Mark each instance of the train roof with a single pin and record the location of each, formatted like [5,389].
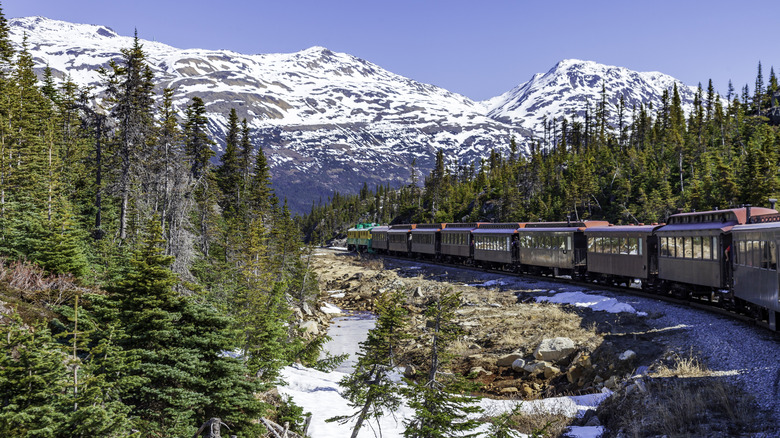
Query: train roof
[723,226]
[563,226]
[735,216]
[495,230]
[380,229]
[428,228]
[761,226]
[463,226]
[645,229]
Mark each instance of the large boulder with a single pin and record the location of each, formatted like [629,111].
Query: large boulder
[554,349]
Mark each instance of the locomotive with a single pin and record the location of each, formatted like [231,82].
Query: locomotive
[727,257]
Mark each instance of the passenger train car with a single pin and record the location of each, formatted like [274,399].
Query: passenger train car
[728,257]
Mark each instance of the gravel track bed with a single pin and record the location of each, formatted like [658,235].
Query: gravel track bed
[744,354]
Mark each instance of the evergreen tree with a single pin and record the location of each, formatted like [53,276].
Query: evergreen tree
[440,407]
[370,388]
[229,172]
[33,380]
[196,138]
[180,347]
[130,91]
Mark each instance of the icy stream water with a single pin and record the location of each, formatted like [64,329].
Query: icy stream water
[348,332]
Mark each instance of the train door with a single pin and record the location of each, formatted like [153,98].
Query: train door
[726,256]
[652,254]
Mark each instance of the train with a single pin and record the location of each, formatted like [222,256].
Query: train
[725,257]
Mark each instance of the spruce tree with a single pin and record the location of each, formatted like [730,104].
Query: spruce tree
[441,408]
[370,387]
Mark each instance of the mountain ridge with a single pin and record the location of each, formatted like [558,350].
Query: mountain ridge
[327,121]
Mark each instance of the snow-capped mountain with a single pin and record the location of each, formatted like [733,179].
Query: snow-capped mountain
[330,121]
[326,121]
[569,87]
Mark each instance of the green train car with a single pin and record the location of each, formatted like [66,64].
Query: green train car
[359,237]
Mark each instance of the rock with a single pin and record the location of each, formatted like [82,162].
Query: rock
[518,365]
[640,385]
[509,390]
[554,349]
[627,355]
[479,371]
[310,327]
[574,373]
[410,371]
[528,392]
[598,379]
[508,360]
[474,347]
[611,383]
[536,367]
[418,292]
[306,309]
[550,371]
[593,422]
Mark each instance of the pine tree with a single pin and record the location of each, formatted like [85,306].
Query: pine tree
[180,345]
[130,91]
[441,409]
[370,388]
[196,138]
[33,380]
[229,172]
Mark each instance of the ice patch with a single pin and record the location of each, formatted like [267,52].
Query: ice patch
[489,283]
[593,302]
[330,308]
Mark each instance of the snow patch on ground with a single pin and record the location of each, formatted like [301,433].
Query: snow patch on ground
[594,302]
[330,309]
[489,283]
[319,393]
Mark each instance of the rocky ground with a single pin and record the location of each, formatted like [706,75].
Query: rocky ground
[520,349]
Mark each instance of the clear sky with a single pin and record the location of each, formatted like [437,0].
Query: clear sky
[479,48]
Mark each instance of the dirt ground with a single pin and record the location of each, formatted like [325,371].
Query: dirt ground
[500,323]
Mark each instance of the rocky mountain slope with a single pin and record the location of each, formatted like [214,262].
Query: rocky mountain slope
[330,121]
[571,85]
[327,121]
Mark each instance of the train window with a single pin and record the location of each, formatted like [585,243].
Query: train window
[664,247]
[764,255]
[632,246]
[591,244]
[697,247]
[639,241]
[772,255]
[688,249]
[741,245]
[749,253]
[706,248]
[625,247]
[714,248]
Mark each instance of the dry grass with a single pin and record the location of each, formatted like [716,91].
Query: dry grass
[688,366]
[681,400]
[527,324]
[536,421]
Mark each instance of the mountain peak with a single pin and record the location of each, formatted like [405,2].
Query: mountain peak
[565,89]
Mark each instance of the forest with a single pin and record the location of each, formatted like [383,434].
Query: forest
[144,287]
[645,165]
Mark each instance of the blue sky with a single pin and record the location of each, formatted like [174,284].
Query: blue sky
[477,48]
